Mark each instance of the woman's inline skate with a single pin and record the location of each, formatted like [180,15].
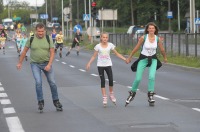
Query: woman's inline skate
[150,98]
[130,97]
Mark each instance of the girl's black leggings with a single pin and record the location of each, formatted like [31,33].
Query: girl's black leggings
[109,73]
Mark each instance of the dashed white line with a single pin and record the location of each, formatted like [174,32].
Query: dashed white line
[129,87]
[1,89]
[161,97]
[3,95]
[72,66]
[10,110]
[11,47]
[197,109]
[64,63]
[0,84]
[82,70]
[5,101]
[14,124]
[94,75]
[57,60]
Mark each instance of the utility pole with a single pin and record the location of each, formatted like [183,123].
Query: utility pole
[70,5]
[192,16]
[46,12]
[85,13]
[169,20]
[178,15]
[62,20]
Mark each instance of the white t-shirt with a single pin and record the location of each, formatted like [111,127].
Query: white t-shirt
[149,49]
[104,59]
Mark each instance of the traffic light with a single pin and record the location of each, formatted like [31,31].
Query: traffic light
[94,9]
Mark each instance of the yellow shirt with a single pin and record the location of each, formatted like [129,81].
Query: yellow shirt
[59,38]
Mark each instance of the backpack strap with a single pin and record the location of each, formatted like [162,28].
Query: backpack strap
[32,37]
[48,39]
[145,36]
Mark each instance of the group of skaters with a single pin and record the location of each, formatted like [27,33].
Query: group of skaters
[42,59]
[20,37]
[3,37]
[58,41]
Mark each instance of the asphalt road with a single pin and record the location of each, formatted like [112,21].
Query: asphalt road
[177,107]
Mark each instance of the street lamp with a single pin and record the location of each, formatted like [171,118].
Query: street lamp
[46,12]
[62,19]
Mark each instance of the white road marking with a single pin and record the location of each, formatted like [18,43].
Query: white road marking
[1,89]
[14,124]
[0,84]
[72,66]
[10,110]
[161,97]
[3,95]
[64,63]
[129,87]
[57,60]
[94,75]
[82,70]
[197,109]
[11,47]
[5,101]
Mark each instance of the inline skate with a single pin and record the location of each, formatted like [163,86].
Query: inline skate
[41,106]
[150,98]
[58,105]
[112,98]
[105,101]
[130,97]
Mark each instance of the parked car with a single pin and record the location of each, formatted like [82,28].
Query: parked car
[138,34]
[56,25]
[34,24]
[134,28]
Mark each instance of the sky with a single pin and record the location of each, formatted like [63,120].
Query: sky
[31,2]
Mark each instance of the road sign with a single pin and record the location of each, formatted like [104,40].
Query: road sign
[197,21]
[43,16]
[86,17]
[66,10]
[55,18]
[77,27]
[169,14]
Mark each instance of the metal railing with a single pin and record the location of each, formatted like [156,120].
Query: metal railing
[174,43]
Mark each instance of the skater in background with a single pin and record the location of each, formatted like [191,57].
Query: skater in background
[2,42]
[31,33]
[17,38]
[41,59]
[59,43]
[53,35]
[22,44]
[104,64]
[149,43]
[75,42]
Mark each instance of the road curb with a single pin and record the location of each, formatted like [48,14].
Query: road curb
[185,67]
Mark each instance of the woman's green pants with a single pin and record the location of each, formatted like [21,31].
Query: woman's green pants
[140,69]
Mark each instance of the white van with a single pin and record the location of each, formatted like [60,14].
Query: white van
[8,24]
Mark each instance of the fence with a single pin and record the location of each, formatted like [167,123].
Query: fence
[174,43]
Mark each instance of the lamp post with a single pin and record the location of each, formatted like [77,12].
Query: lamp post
[169,21]
[62,19]
[46,12]
[70,5]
